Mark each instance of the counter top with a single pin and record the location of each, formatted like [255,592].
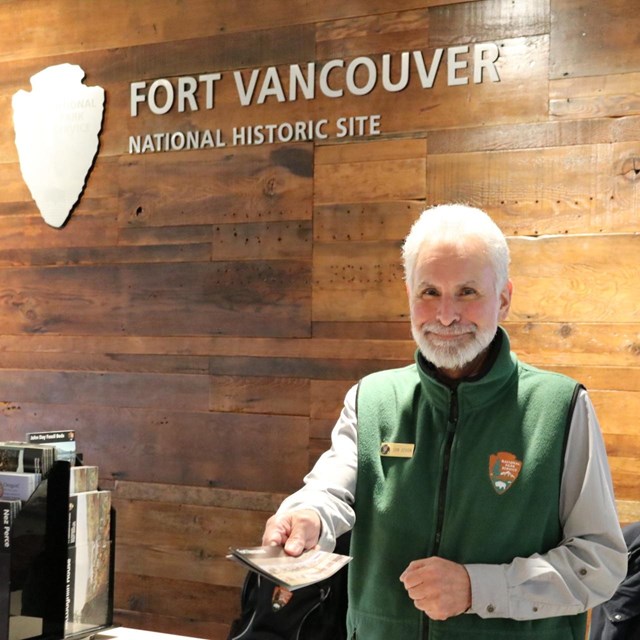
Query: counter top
[122,633]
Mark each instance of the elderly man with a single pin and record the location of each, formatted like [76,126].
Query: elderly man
[477,486]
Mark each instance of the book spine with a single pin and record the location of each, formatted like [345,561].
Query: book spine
[5,569]
[73,520]
[69,587]
[6,528]
[71,559]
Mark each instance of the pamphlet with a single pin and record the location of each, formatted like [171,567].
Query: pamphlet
[292,572]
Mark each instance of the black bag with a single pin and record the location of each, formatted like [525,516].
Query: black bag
[316,612]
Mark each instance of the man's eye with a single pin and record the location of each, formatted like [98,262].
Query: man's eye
[429,292]
[468,291]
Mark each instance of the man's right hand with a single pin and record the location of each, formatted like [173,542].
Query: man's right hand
[295,530]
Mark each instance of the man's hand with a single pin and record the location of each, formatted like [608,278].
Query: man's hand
[438,587]
[295,530]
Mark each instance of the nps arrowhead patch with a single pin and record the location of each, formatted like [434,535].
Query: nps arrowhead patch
[504,469]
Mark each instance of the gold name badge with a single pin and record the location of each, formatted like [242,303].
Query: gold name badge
[397,449]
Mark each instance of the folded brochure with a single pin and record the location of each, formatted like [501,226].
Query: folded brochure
[292,572]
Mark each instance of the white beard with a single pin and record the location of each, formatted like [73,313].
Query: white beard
[451,354]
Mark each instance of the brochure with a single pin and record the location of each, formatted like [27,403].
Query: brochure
[292,572]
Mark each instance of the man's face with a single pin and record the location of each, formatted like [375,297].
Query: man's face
[455,309]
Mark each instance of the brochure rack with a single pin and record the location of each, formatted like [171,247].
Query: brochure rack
[34,580]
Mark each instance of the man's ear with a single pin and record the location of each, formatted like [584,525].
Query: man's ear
[505,301]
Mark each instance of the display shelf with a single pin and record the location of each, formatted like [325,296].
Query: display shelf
[35,587]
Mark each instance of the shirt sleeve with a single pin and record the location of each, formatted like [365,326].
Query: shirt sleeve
[591,560]
[329,488]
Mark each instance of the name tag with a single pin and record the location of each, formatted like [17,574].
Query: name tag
[397,449]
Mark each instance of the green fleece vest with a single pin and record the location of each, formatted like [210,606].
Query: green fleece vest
[482,486]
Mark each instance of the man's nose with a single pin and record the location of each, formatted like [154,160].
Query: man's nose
[448,312]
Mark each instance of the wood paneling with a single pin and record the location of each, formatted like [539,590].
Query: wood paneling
[202,314]
[554,190]
[593,39]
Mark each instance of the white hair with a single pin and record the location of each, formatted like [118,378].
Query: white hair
[456,223]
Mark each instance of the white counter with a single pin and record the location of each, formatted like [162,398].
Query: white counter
[122,633]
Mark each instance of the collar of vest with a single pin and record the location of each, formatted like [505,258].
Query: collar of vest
[502,365]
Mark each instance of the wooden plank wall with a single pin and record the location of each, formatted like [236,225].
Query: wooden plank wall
[202,313]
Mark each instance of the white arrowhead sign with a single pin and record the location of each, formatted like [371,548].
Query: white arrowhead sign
[57,126]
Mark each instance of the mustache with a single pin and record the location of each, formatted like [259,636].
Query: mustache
[451,330]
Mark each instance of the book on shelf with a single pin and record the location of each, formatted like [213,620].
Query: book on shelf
[25,457]
[88,560]
[291,572]
[9,509]
[63,441]
[83,478]
[16,485]
[89,517]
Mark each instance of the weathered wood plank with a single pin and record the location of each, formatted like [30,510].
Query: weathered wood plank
[327,398]
[313,368]
[365,221]
[603,377]
[381,331]
[581,47]
[104,255]
[576,344]
[255,394]
[204,496]
[320,433]
[182,235]
[535,135]
[362,172]
[251,184]
[340,345]
[170,561]
[105,362]
[544,191]
[182,447]
[71,27]
[290,240]
[626,477]
[576,278]
[615,344]
[158,299]
[488,20]
[27,240]
[621,445]
[195,530]
[365,35]
[616,411]
[611,96]
[148,595]
[351,278]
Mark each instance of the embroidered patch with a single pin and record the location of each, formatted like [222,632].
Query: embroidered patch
[504,468]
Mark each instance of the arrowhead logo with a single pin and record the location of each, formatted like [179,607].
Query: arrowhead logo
[57,126]
[504,469]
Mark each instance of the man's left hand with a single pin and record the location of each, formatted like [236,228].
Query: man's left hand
[438,587]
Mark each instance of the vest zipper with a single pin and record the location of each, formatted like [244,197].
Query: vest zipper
[452,423]
[442,496]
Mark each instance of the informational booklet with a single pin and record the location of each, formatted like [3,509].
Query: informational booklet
[292,572]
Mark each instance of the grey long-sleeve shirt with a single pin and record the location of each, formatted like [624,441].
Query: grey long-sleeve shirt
[540,586]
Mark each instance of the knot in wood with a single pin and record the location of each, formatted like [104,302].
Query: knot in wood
[631,169]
